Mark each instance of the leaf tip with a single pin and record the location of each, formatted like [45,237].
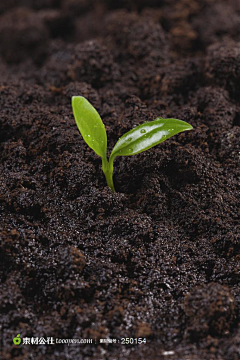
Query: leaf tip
[77,99]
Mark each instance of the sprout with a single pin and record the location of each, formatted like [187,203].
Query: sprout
[141,138]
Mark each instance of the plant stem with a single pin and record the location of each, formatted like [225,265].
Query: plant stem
[107,168]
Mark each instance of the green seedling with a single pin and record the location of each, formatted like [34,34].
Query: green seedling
[141,138]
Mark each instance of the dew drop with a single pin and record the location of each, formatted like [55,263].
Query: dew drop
[130,149]
[143,131]
[129,139]
[89,135]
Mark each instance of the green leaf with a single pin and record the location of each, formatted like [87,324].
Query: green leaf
[147,135]
[90,125]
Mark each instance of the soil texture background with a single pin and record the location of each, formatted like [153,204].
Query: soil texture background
[159,258]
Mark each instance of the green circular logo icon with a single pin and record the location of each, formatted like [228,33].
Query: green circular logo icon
[17,340]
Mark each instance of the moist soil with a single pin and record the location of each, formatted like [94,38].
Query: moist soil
[159,258]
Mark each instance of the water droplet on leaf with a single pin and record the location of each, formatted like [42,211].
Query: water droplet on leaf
[143,131]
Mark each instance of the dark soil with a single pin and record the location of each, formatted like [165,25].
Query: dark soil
[159,259]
